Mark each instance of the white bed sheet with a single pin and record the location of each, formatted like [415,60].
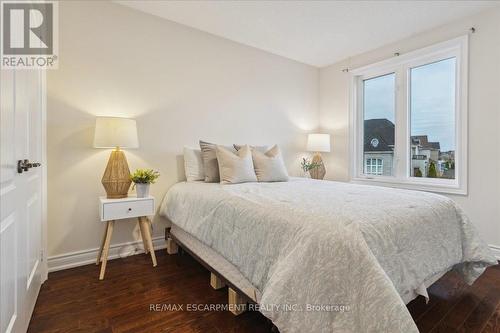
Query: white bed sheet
[312,242]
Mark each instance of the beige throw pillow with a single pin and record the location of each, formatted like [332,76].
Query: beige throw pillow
[259,148]
[235,167]
[210,165]
[269,166]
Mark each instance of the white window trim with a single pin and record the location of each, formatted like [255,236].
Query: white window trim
[457,47]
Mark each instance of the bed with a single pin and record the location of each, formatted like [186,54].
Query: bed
[325,256]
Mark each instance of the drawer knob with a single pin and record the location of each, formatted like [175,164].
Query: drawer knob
[130,209]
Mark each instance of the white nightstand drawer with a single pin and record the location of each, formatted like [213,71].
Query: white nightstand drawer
[127,209]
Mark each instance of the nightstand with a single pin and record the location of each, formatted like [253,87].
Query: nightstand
[117,209]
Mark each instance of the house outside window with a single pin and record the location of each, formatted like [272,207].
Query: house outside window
[409,120]
[374,166]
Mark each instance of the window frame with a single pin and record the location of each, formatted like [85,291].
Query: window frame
[401,66]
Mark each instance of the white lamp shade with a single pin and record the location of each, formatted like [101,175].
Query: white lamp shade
[318,142]
[112,132]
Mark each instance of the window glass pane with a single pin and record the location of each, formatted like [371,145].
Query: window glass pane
[379,131]
[432,116]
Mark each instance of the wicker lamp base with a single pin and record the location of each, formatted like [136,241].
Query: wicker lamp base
[116,178]
[319,172]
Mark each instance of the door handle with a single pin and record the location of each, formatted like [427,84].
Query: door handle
[25,165]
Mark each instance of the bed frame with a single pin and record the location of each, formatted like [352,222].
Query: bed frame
[237,298]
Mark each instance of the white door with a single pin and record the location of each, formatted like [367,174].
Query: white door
[21,196]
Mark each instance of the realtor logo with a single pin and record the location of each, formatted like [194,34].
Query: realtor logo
[29,34]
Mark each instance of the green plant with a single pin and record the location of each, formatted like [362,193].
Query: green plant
[418,172]
[307,165]
[432,173]
[144,176]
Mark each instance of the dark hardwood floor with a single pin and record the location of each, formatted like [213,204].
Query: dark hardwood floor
[74,300]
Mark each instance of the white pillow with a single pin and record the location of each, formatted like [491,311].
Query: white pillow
[269,166]
[235,167]
[193,164]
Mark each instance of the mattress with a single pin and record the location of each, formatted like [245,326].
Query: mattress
[304,242]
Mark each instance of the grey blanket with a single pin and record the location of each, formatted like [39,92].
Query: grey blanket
[330,256]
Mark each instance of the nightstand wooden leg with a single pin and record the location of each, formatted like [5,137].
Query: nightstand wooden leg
[99,257]
[107,241]
[143,236]
[149,241]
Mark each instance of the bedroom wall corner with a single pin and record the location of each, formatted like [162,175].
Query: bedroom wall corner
[482,204]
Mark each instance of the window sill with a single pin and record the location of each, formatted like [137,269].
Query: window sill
[427,186]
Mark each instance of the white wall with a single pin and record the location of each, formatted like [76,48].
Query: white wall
[180,84]
[483,201]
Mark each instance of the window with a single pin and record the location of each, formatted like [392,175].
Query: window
[378,120]
[409,120]
[374,166]
[432,119]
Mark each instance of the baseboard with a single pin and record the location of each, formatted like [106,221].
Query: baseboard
[496,251]
[85,257]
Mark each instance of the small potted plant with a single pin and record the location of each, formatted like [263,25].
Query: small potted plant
[307,166]
[142,178]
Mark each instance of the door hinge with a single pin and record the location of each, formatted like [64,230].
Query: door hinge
[41,255]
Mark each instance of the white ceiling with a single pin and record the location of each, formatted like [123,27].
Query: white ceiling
[318,33]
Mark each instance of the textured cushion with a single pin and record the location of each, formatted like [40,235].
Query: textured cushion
[259,148]
[193,164]
[210,165]
[235,167]
[269,166]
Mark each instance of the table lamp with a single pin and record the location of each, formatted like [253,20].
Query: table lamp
[318,143]
[117,133]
